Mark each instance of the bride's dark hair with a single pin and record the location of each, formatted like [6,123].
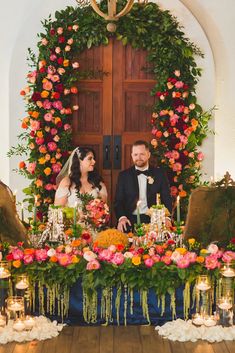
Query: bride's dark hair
[75,173]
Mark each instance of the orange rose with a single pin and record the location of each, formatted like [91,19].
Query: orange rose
[76,243]
[168,253]
[182,193]
[38,183]
[44,94]
[158,134]
[57,120]
[200,259]
[47,171]
[74,89]
[136,260]
[22,165]
[66,63]
[53,259]
[146,256]
[16,263]
[42,160]
[29,251]
[75,259]
[34,114]
[40,133]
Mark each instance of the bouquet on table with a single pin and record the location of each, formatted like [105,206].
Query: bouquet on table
[95,211]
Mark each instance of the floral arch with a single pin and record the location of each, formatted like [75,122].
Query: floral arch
[178,122]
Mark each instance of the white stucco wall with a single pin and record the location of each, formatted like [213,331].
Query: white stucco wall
[210,24]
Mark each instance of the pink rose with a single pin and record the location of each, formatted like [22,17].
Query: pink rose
[89,255]
[54,131]
[67,127]
[47,104]
[176,256]
[35,125]
[48,117]
[191,256]
[179,84]
[61,70]
[93,265]
[128,255]
[156,258]
[41,255]
[39,140]
[49,187]
[118,259]
[149,262]
[200,156]
[52,146]
[53,57]
[177,167]
[56,167]
[28,259]
[57,105]
[31,167]
[44,41]
[213,248]
[75,65]
[55,78]
[47,85]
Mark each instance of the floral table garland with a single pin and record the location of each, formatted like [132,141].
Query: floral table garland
[163,267]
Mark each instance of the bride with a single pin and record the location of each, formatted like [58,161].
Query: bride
[79,176]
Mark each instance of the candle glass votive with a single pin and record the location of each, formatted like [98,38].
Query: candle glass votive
[228,270]
[203,286]
[203,283]
[15,307]
[225,311]
[4,270]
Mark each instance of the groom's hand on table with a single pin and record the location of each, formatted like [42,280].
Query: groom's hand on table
[123,224]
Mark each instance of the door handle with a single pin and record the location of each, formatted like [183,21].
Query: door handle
[117,152]
[107,152]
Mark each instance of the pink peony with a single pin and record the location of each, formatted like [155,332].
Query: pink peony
[212,262]
[17,254]
[93,265]
[52,146]
[41,255]
[149,262]
[228,256]
[183,262]
[51,69]
[64,259]
[118,259]
[191,256]
[106,255]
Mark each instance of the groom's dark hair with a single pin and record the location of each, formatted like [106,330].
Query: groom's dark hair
[141,143]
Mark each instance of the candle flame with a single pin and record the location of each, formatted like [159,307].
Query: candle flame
[178,199]
[138,203]
[15,192]
[35,199]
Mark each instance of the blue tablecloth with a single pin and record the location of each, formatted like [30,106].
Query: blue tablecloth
[137,318]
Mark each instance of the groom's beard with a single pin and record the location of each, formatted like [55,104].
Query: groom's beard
[141,164]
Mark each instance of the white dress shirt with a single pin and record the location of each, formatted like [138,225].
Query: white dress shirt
[142,181]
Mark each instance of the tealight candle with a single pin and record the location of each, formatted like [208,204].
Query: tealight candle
[22,284]
[15,306]
[198,320]
[210,321]
[18,325]
[203,286]
[4,273]
[225,305]
[29,322]
[227,271]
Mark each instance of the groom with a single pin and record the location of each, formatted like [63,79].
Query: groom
[139,183]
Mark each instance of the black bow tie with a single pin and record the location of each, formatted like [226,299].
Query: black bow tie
[145,172]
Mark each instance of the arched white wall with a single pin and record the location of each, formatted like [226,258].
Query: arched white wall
[20,23]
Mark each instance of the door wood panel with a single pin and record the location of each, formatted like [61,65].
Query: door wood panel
[113,100]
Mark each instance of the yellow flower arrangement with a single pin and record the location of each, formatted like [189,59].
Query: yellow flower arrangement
[182,251]
[109,237]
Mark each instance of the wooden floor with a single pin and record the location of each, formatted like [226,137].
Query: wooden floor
[113,339]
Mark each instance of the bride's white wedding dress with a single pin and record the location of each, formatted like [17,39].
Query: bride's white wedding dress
[71,194]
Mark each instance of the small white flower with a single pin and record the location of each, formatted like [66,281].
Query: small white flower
[51,252]
[150,180]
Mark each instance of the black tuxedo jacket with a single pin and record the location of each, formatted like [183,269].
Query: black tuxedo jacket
[127,191]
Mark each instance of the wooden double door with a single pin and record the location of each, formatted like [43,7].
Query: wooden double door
[114,106]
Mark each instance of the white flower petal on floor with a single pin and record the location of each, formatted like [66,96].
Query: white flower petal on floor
[180,330]
[42,330]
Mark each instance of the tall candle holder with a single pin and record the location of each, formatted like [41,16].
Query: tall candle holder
[227,272]
[5,275]
[22,290]
[225,311]
[203,287]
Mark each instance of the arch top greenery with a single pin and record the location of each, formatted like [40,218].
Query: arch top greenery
[178,123]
